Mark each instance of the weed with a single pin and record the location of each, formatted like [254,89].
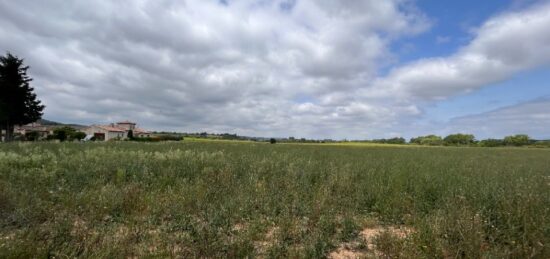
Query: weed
[246,199]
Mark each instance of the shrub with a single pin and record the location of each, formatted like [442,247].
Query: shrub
[429,140]
[517,140]
[459,139]
[77,135]
[390,141]
[491,143]
[541,143]
[169,137]
[32,136]
[63,133]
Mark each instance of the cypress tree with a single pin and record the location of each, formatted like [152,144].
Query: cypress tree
[18,102]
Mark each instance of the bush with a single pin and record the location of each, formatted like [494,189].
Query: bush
[429,140]
[390,141]
[146,139]
[66,133]
[63,133]
[77,135]
[32,136]
[459,139]
[169,137]
[491,143]
[541,143]
[517,140]
[272,141]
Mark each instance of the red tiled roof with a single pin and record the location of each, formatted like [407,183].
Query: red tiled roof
[141,131]
[109,128]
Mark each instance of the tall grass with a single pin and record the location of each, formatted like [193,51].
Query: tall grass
[218,199]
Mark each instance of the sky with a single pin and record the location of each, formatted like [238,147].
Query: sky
[359,69]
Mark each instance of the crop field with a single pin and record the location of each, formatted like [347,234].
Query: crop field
[221,199]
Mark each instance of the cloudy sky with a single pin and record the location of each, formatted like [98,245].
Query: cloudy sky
[304,68]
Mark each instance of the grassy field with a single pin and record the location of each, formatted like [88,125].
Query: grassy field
[223,199]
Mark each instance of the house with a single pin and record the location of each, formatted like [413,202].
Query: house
[137,132]
[141,133]
[106,132]
[42,130]
[115,131]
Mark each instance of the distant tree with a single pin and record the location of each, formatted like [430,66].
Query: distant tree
[272,141]
[130,134]
[541,143]
[229,136]
[429,140]
[390,141]
[18,102]
[399,140]
[77,135]
[491,143]
[63,133]
[32,136]
[168,137]
[459,139]
[517,140]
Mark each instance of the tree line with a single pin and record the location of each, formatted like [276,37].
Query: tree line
[460,139]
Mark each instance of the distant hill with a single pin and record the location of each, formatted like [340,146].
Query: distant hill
[48,122]
[55,123]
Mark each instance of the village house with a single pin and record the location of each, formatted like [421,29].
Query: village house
[42,130]
[115,131]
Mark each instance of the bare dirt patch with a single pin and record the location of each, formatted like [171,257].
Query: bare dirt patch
[356,249]
[269,238]
[347,251]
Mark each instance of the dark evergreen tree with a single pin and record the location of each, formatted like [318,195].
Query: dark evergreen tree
[18,102]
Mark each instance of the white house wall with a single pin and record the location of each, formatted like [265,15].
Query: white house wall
[108,134]
[115,135]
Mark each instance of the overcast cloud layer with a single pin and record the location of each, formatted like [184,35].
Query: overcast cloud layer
[299,68]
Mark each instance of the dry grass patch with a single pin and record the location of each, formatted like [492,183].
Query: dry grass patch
[375,241]
[267,241]
[347,251]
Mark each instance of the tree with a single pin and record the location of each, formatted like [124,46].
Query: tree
[32,136]
[517,140]
[459,139]
[130,134]
[18,102]
[491,143]
[78,135]
[397,140]
[430,140]
[272,141]
[63,133]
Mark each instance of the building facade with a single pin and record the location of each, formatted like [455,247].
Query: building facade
[115,131]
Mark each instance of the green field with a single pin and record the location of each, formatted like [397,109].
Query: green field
[224,199]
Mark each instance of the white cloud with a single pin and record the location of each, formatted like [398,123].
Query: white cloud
[198,65]
[502,46]
[532,117]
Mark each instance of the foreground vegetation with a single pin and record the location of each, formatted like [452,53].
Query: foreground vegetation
[236,199]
